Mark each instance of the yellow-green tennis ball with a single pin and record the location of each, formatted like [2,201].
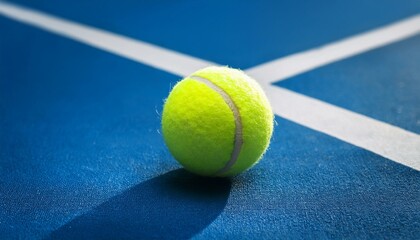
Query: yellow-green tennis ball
[217,122]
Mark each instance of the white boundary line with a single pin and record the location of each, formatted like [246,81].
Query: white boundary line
[295,64]
[384,139]
[381,138]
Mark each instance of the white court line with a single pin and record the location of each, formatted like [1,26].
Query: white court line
[152,55]
[295,64]
[381,138]
[384,139]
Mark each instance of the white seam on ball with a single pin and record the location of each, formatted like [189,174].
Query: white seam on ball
[238,140]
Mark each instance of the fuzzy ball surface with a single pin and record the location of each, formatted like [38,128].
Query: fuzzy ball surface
[217,122]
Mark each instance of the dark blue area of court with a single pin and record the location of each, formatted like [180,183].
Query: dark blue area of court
[81,156]
[237,33]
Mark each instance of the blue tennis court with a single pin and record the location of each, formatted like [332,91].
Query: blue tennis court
[82,87]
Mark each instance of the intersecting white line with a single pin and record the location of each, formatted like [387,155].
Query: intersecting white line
[289,66]
[384,139]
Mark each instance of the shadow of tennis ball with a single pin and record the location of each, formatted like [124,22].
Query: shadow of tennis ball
[174,205]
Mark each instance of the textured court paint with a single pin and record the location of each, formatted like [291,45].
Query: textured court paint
[174,205]
[309,184]
[238,123]
[286,67]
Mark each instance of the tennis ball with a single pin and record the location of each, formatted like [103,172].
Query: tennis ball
[217,122]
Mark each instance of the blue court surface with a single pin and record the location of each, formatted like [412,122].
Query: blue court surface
[82,85]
